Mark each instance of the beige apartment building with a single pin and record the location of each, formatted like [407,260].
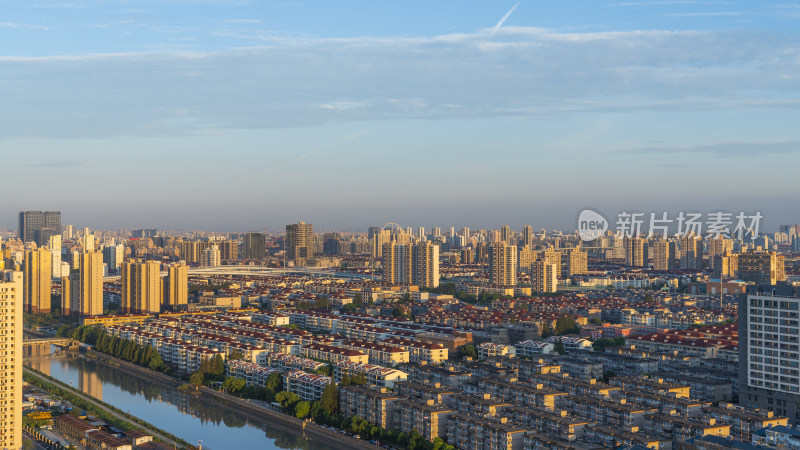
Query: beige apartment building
[176,289]
[142,291]
[87,285]
[38,274]
[11,287]
[503,264]
[544,277]
[299,241]
[761,267]
[663,254]
[577,263]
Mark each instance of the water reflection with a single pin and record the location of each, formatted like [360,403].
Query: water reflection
[218,424]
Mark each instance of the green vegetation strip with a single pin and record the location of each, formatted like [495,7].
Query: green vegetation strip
[75,397]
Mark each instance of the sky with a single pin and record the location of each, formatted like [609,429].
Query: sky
[243,115]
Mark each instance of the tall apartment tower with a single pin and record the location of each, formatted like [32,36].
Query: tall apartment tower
[38,226]
[66,294]
[397,263]
[87,287]
[636,252]
[768,374]
[527,236]
[691,251]
[177,285]
[299,241]
[11,287]
[577,263]
[544,277]
[663,254]
[425,264]
[253,245]
[54,245]
[505,234]
[38,276]
[718,247]
[553,256]
[761,267]
[210,257]
[113,255]
[141,287]
[503,264]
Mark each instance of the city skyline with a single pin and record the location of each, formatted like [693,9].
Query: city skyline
[636,105]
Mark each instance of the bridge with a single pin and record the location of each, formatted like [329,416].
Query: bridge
[265,272]
[58,342]
[276,271]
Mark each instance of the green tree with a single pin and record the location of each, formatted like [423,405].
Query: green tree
[233,385]
[468,350]
[558,347]
[329,401]
[274,382]
[287,399]
[196,379]
[302,409]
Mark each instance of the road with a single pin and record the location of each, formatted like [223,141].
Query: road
[113,413]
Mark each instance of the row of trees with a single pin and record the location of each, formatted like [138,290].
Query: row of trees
[131,351]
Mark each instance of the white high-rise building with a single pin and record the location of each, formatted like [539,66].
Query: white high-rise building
[769,377]
[55,249]
[210,257]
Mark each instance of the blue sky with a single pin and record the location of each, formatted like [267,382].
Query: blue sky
[239,115]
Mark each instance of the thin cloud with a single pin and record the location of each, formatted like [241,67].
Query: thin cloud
[725,150]
[54,164]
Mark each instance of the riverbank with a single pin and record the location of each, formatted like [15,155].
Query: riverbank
[129,421]
[251,409]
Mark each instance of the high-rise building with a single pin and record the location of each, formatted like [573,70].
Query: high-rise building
[761,267]
[397,263]
[11,287]
[210,257]
[331,244]
[113,255]
[87,287]
[425,264]
[416,264]
[299,241]
[544,277]
[421,233]
[505,234]
[691,251]
[55,254]
[66,294]
[228,250]
[38,226]
[177,285]
[527,236]
[525,257]
[768,353]
[68,232]
[253,245]
[726,266]
[577,263]
[718,247]
[88,240]
[663,254]
[503,264]
[141,287]
[38,275]
[553,256]
[635,252]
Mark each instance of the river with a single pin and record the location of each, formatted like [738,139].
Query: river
[216,423]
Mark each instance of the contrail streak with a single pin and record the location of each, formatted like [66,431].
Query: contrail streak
[503,20]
